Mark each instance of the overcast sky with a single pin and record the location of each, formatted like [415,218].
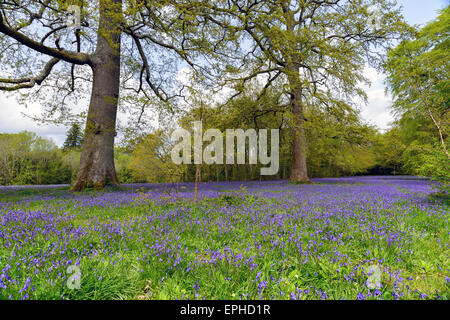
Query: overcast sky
[376,111]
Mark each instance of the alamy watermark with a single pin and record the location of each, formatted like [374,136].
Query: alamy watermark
[213,153]
[74,281]
[374,280]
[374,19]
[74,18]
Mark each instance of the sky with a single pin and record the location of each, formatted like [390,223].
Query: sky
[376,112]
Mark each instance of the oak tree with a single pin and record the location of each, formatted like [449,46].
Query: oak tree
[115,46]
[315,49]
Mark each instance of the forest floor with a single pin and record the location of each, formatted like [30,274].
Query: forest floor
[340,238]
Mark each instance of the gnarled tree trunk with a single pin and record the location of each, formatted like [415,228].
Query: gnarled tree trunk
[97,158]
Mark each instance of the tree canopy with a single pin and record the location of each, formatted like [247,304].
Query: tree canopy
[418,71]
[292,65]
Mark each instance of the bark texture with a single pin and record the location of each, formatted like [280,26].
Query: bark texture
[299,173]
[97,158]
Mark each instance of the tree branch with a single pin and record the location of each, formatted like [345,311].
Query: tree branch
[68,56]
[29,82]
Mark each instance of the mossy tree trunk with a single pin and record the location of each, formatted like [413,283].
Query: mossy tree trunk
[97,158]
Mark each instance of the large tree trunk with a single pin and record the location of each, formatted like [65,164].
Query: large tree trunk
[299,173]
[97,158]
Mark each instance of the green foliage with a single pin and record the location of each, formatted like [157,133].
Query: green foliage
[28,159]
[313,53]
[418,71]
[388,149]
[338,142]
[429,161]
[71,158]
[289,55]
[122,163]
[151,161]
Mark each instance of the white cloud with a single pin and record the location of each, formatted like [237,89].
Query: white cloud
[377,111]
[12,120]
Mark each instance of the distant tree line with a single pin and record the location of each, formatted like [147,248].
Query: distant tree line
[26,158]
